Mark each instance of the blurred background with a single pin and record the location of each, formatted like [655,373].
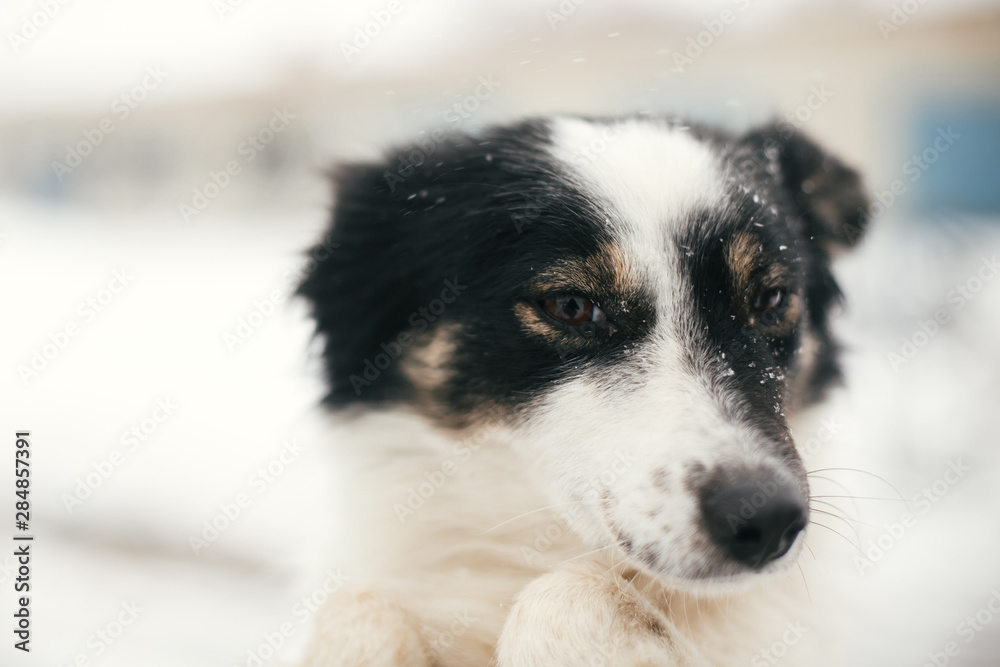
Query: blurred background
[161,173]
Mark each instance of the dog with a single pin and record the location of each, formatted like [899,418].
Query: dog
[564,356]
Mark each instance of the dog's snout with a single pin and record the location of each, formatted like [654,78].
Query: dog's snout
[756,519]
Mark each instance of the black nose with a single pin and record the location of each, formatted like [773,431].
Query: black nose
[754,520]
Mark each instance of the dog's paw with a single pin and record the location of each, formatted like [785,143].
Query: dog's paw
[365,629]
[587,615]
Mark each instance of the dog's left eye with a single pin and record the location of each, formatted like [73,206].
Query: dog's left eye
[572,309]
[768,300]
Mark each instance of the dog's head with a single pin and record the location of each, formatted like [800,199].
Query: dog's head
[640,302]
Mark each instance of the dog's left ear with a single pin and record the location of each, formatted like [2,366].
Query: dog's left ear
[830,195]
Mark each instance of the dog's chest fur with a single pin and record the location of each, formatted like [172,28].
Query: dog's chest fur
[459,542]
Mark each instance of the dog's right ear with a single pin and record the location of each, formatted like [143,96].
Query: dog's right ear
[357,286]
[829,195]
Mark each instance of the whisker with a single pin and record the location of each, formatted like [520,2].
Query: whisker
[645,588]
[701,616]
[840,486]
[610,569]
[804,582]
[842,513]
[687,617]
[857,536]
[814,499]
[833,506]
[588,553]
[521,516]
[829,479]
[863,472]
[835,532]
[898,500]
[834,482]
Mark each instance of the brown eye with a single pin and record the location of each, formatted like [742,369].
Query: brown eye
[768,300]
[572,309]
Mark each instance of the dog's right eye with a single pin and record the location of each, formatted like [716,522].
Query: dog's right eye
[769,300]
[572,309]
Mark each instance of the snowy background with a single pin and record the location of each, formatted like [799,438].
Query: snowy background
[105,245]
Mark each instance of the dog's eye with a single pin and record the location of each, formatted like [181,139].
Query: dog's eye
[572,309]
[768,300]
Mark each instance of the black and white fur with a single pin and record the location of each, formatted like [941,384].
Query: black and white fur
[621,491]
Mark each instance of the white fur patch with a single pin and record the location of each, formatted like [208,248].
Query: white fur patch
[651,176]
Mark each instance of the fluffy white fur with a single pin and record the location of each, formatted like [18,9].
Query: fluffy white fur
[479,549]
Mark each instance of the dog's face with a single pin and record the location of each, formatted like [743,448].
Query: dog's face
[641,303]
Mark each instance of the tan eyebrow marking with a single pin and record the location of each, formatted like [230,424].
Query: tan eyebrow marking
[743,256]
[606,271]
[746,262]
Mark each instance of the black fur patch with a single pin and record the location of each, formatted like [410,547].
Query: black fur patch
[768,206]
